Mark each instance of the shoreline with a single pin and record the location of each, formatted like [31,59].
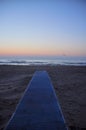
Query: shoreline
[69,82]
[44,64]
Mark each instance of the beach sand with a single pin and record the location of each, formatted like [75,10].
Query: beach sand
[69,83]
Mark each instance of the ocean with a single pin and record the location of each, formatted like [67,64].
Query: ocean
[42,60]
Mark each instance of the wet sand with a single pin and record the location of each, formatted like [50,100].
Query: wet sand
[69,83]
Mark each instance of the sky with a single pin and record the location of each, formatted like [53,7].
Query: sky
[43,27]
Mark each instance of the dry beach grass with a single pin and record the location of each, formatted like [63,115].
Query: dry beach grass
[69,83]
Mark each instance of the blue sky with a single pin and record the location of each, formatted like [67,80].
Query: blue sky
[43,27]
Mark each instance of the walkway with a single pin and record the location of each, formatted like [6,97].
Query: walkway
[39,107]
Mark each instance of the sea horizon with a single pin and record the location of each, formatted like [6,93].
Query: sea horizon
[43,60]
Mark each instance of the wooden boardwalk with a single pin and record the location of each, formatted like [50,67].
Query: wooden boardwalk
[39,108]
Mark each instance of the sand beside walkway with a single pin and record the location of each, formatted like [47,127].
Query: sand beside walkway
[69,83]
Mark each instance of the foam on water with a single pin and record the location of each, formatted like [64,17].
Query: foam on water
[43,60]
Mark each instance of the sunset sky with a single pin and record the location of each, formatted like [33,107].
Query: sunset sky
[42,27]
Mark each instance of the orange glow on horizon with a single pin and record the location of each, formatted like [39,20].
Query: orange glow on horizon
[20,53]
[37,52]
